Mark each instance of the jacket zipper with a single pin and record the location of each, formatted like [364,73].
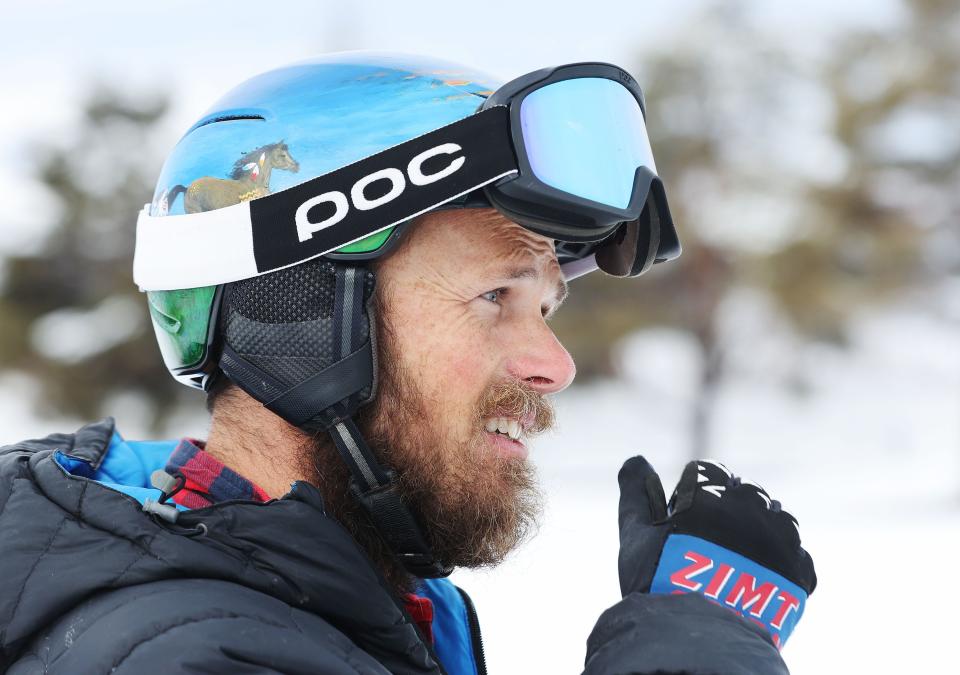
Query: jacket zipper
[475,638]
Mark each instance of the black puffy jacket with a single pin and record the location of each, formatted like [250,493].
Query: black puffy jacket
[90,584]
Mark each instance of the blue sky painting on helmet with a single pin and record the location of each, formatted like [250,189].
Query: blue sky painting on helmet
[385,107]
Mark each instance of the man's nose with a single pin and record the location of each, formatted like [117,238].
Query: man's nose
[541,361]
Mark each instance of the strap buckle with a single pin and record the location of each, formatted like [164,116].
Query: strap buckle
[399,527]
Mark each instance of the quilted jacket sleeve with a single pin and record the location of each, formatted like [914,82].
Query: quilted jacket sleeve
[192,626]
[673,634]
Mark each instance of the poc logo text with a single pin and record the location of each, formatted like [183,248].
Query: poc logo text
[398,183]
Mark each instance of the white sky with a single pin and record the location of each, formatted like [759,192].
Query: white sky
[52,52]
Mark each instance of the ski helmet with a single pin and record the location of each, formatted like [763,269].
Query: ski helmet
[300,338]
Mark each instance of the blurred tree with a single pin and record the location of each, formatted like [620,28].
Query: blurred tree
[71,314]
[825,183]
[895,100]
[821,180]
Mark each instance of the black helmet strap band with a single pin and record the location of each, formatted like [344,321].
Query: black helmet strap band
[299,404]
[375,488]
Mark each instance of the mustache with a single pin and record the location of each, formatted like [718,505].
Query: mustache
[514,398]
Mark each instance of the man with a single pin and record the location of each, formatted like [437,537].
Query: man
[356,257]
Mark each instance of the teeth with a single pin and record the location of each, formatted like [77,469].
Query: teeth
[504,425]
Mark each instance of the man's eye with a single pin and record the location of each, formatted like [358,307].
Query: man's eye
[493,296]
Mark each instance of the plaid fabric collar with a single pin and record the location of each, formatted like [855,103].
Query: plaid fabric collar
[208,481]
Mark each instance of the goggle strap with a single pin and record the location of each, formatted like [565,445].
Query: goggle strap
[326,213]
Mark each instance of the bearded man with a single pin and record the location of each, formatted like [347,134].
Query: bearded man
[370,326]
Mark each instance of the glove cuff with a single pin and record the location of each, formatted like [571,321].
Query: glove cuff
[690,564]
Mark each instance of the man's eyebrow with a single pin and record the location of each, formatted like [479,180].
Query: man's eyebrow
[561,292]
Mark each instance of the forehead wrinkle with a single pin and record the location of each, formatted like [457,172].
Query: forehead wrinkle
[525,254]
[561,289]
[513,250]
[518,242]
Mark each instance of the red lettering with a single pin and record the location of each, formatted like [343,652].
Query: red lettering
[682,577]
[747,595]
[720,579]
[789,603]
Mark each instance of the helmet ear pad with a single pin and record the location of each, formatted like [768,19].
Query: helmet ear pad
[301,340]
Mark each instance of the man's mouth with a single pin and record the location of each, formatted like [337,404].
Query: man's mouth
[507,426]
[507,435]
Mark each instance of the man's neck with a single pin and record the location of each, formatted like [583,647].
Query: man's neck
[266,450]
[258,445]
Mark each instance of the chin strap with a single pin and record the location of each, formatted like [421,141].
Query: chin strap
[376,489]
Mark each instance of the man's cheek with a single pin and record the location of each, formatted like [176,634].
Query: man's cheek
[460,380]
[465,368]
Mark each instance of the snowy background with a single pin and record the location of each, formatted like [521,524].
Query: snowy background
[867,456]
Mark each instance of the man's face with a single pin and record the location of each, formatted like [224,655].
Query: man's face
[466,360]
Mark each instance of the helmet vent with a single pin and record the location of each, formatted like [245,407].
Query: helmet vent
[229,118]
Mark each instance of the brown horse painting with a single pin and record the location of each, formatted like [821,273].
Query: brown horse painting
[249,179]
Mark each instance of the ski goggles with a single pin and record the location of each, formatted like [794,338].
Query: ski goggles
[562,151]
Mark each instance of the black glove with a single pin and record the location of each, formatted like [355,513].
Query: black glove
[720,536]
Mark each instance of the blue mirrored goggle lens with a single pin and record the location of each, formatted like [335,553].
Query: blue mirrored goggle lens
[586,137]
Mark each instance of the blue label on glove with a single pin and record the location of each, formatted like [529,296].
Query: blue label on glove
[693,565]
